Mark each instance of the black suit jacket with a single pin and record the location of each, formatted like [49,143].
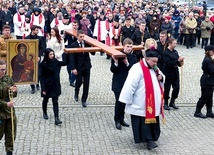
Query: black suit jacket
[136,37]
[171,64]
[80,61]
[120,72]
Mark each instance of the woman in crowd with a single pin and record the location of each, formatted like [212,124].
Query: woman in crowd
[85,24]
[50,83]
[56,43]
[206,27]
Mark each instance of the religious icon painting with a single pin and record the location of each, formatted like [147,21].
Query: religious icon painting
[22,61]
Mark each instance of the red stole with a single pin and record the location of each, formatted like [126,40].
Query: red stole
[107,37]
[99,31]
[19,17]
[150,98]
[24,35]
[32,19]
[56,22]
[114,34]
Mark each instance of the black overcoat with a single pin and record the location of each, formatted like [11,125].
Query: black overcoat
[50,79]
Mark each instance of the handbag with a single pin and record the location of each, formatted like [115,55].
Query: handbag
[190,31]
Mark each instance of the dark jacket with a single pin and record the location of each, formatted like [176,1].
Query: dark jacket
[171,64]
[50,79]
[137,39]
[120,72]
[167,27]
[6,17]
[161,48]
[207,78]
[41,47]
[127,32]
[80,61]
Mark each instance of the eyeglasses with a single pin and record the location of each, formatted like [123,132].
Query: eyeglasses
[2,70]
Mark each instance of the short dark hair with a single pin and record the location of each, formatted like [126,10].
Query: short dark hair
[80,32]
[2,62]
[33,27]
[127,41]
[163,33]
[6,27]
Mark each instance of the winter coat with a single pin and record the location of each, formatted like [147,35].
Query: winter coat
[205,32]
[190,24]
[50,79]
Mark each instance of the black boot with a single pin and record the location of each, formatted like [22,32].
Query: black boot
[172,104]
[57,121]
[210,113]
[45,115]
[166,107]
[198,113]
[151,145]
[9,153]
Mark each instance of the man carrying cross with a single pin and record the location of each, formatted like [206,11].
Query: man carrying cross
[81,66]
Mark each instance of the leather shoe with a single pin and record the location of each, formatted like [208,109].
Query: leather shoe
[123,123]
[9,153]
[76,98]
[173,106]
[37,87]
[151,145]
[72,84]
[166,107]
[200,115]
[33,91]
[118,125]
[84,104]
[211,115]
[45,116]
[57,121]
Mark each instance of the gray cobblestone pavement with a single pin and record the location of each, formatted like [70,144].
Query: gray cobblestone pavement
[91,130]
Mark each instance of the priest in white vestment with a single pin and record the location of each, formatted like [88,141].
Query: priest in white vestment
[143,95]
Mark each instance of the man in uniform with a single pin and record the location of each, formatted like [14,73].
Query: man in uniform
[5,110]
[3,41]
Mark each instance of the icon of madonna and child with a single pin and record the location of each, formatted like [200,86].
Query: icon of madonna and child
[22,64]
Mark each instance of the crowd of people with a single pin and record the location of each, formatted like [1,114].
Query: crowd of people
[157,27]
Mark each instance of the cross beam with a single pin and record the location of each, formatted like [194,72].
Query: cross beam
[97,49]
[97,46]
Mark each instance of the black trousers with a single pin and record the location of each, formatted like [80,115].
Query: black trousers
[55,105]
[206,98]
[190,40]
[118,109]
[18,37]
[182,39]
[145,132]
[83,78]
[204,42]
[39,75]
[175,86]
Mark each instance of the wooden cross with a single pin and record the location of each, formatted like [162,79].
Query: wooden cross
[97,46]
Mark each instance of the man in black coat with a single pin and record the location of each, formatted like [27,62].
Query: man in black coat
[127,30]
[71,39]
[139,37]
[162,45]
[6,16]
[81,66]
[120,69]
[33,35]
